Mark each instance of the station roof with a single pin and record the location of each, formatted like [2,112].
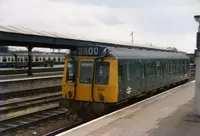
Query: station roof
[15,36]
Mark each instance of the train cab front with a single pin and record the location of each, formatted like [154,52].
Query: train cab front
[90,81]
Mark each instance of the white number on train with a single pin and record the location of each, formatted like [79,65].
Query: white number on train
[93,51]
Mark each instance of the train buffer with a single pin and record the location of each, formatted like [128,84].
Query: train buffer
[170,113]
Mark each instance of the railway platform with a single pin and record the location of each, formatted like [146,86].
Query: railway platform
[170,113]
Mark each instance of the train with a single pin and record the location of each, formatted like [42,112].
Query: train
[97,78]
[20,59]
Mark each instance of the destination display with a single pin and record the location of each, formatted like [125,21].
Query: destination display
[88,51]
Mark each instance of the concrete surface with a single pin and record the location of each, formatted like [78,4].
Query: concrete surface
[168,114]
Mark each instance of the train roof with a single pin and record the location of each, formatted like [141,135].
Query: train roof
[134,53]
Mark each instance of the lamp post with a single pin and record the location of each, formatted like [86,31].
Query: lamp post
[197,76]
[132,37]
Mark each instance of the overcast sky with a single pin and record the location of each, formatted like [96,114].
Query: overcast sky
[159,22]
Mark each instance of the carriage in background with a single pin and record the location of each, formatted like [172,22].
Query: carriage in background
[20,60]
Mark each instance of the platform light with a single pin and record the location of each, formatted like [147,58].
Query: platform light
[197,18]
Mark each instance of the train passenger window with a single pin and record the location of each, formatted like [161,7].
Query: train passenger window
[70,72]
[13,59]
[18,59]
[4,59]
[36,58]
[86,72]
[150,69]
[102,73]
[120,73]
[8,59]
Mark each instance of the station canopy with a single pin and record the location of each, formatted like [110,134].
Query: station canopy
[17,36]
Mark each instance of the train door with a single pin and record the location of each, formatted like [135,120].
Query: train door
[135,75]
[84,80]
[143,77]
[158,74]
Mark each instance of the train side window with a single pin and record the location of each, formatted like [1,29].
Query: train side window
[150,69]
[158,67]
[8,59]
[102,73]
[86,72]
[127,69]
[13,59]
[120,75]
[4,59]
[70,72]
[36,59]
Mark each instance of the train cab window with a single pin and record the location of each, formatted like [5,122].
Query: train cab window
[102,73]
[86,72]
[70,72]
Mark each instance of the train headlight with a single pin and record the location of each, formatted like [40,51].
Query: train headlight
[101,97]
[70,94]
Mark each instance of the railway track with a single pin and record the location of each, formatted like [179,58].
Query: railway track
[24,71]
[13,96]
[23,108]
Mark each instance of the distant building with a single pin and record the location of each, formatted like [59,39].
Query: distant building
[3,48]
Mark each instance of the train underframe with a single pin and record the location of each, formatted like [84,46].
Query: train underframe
[85,110]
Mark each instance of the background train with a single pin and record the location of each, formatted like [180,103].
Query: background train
[97,78]
[20,59]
